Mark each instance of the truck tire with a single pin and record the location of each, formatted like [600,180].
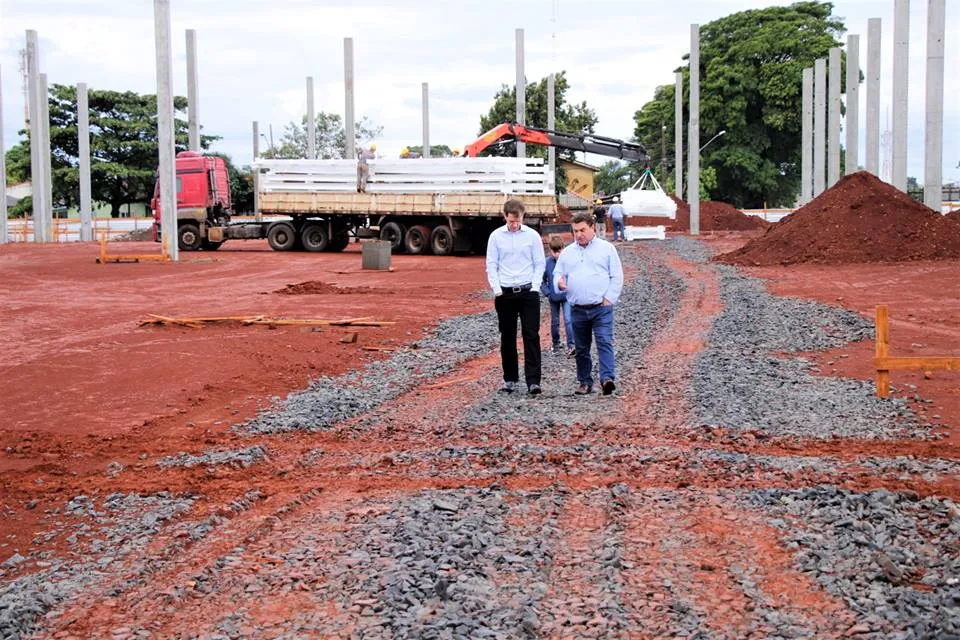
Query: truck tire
[188,236]
[281,236]
[314,237]
[441,241]
[206,245]
[394,233]
[417,240]
[338,242]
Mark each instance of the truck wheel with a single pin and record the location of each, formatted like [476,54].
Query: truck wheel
[281,236]
[441,241]
[338,242]
[206,245]
[188,236]
[417,240]
[314,237]
[393,232]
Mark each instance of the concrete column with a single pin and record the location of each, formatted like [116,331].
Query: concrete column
[348,122]
[693,136]
[167,153]
[36,134]
[83,146]
[806,139]
[45,159]
[872,128]
[552,121]
[933,144]
[901,89]
[521,92]
[193,92]
[3,174]
[678,134]
[833,119]
[256,171]
[853,104]
[819,126]
[425,101]
[311,122]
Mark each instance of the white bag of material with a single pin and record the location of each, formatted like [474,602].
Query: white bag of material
[642,200]
[645,233]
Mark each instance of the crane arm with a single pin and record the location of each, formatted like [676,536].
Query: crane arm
[579,142]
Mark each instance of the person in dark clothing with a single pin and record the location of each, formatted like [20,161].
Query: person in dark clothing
[600,215]
[558,301]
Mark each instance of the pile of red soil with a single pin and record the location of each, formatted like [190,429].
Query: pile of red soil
[316,287]
[714,216]
[859,219]
[954,215]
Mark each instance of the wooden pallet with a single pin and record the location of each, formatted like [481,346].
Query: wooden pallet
[103,258]
[885,363]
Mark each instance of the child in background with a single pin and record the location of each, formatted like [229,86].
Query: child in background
[558,301]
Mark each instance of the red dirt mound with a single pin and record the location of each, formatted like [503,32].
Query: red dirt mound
[859,219]
[315,287]
[954,215]
[714,216]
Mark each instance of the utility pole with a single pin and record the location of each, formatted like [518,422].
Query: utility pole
[167,150]
[521,92]
[693,189]
[193,90]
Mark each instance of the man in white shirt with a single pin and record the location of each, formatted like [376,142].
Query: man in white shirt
[589,270]
[515,264]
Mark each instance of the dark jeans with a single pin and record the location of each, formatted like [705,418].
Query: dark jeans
[525,306]
[596,322]
[556,310]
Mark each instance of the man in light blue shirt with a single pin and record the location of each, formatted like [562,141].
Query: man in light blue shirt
[515,264]
[589,270]
[618,215]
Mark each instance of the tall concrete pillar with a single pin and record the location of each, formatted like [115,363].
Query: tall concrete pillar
[806,139]
[853,104]
[83,147]
[45,160]
[256,171]
[311,122]
[3,174]
[819,126]
[348,121]
[521,92]
[193,93]
[933,143]
[901,89]
[425,102]
[167,159]
[36,134]
[693,135]
[678,134]
[872,126]
[833,119]
[552,121]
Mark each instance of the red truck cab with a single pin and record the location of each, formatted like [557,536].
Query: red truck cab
[203,199]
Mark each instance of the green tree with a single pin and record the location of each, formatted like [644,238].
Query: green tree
[751,66]
[613,177]
[123,146]
[331,137]
[22,209]
[436,150]
[570,118]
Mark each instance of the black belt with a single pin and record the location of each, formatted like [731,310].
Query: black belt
[520,289]
[588,306]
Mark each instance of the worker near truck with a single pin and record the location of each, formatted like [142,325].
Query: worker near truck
[363,169]
[590,272]
[515,266]
[600,214]
[617,216]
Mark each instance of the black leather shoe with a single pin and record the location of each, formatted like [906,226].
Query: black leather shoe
[608,387]
[583,390]
[534,390]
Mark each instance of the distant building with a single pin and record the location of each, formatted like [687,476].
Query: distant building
[579,177]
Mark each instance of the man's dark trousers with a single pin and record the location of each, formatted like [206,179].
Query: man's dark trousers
[510,306]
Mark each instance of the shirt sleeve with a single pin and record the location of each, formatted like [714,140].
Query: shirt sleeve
[616,277]
[539,258]
[558,270]
[493,264]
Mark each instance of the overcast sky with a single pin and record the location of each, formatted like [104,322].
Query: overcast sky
[254,56]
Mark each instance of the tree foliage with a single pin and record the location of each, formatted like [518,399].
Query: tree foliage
[331,137]
[613,177]
[570,118]
[751,66]
[123,146]
[436,150]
